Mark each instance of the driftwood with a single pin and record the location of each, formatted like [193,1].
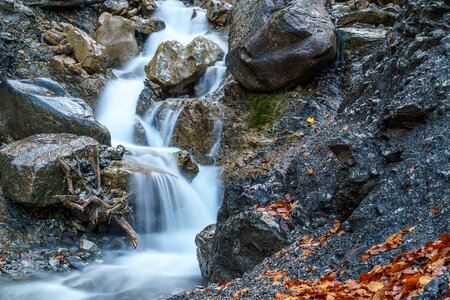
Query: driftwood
[62,3]
[90,202]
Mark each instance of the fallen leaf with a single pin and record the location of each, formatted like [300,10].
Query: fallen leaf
[311,120]
[345,127]
[309,171]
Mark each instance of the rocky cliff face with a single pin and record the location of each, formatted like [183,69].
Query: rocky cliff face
[365,142]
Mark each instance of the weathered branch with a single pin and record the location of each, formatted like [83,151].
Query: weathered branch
[88,200]
[63,3]
[128,229]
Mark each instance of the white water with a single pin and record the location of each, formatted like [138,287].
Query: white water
[170,211]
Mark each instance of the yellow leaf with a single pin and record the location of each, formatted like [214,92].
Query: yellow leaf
[311,120]
[375,286]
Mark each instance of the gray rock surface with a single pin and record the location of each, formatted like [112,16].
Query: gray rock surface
[177,68]
[29,170]
[35,106]
[239,245]
[276,45]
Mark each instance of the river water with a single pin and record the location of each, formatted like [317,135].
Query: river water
[170,210]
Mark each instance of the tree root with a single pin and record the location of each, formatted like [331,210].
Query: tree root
[90,202]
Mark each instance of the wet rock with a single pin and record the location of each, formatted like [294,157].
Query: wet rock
[63,3]
[88,245]
[188,168]
[116,34]
[149,95]
[177,68]
[29,107]
[140,136]
[119,174]
[368,16]
[356,38]
[115,7]
[194,130]
[238,245]
[85,49]
[64,64]
[147,26]
[277,45]
[29,170]
[147,6]
[218,11]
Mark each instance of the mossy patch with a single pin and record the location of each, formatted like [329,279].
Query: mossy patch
[265,109]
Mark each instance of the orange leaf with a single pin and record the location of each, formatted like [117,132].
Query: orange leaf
[309,171]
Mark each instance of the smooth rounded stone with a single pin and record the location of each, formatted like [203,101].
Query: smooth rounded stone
[236,246]
[194,130]
[85,49]
[218,11]
[40,105]
[115,7]
[176,68]
[116,34]
[29,169]
[274,45]
[187,166]
[147,26]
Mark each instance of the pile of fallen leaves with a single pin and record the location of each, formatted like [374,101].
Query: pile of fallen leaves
[281,209]
[407,275]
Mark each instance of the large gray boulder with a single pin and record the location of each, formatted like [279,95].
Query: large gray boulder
[176,68]
[277,44]
[29,107]
[29,169]
[116,34]
[238,245]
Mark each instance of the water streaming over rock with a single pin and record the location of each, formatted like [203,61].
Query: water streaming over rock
[169,209]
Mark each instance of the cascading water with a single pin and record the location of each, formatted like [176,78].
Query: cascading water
[169,209]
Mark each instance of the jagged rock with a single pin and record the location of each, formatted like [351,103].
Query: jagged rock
[147,26]
[86,50]
[63,49]
[148,96]
[177,68]
[148,6]
[406,116]
[29,170]
[116,34]
[187,166]
[275,45]
[64,64]
[54,37]
[35,106]
[356,38]
[238,245]
[194,130]
[218,11]
[368,16]
[115,7]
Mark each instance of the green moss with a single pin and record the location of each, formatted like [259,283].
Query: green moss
[265,109]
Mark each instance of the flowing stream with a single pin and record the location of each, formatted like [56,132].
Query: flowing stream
[169,210]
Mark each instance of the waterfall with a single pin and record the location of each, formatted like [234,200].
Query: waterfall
[169,210]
